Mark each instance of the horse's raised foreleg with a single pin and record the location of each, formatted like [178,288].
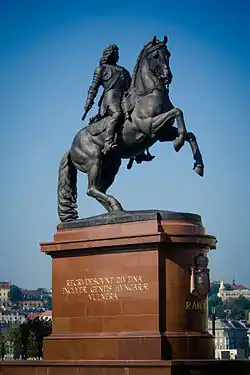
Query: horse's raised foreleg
[198,162]
[173,114]
[97,190]
[182,131]
[172,133]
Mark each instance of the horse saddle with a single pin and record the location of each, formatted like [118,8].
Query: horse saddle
[96,127]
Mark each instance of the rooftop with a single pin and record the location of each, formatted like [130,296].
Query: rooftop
[228,324]
[238,287]
[4,284]
[45,314]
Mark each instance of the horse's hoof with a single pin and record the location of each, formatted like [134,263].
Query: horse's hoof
[116,207]
[199,169]
[151,157]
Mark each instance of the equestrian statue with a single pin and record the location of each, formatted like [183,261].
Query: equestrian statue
[134,113]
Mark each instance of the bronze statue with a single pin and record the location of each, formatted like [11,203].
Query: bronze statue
[115,81]
[149,118]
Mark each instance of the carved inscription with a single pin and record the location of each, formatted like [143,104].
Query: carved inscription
[105,288]
[196,305]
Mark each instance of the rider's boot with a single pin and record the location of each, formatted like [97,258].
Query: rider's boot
[110,145]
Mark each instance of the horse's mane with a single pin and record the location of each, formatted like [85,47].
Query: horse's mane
[137,64]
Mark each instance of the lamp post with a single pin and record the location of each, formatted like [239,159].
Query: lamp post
[213,320]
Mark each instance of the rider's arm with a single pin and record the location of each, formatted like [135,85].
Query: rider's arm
[93,88]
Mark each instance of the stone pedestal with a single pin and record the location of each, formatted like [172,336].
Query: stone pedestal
[176,367]
[121,288]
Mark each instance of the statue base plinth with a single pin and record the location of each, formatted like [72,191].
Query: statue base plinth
[197,367]
[121,288]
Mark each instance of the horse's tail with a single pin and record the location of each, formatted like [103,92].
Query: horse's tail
[67,190]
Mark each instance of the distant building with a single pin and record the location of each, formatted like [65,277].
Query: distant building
[4,290]
[246,324]
[46,315]
[31,304]
[46,292]
[230,354]
[238,290]
[231,334]
[8,317]
[37,294]
[30,294]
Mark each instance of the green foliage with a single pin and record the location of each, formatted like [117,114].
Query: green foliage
[34,296]
[214,289]
[15,294]
[48,302]
[32,333]
[215,286]
[14,337]
[242,303]
[3,347]
[32,348]
[220,312]
[24,330]
[239,308]
[214,300]
[26,340]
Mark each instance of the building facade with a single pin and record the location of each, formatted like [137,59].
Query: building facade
[4,291]
[230,335]
[12,317]
[31,304]
[236,292]
[46,315]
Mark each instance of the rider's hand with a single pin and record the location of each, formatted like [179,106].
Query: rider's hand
[88,106]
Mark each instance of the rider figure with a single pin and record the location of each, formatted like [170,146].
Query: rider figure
[115,81]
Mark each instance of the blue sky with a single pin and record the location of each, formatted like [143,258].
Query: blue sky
[48,51]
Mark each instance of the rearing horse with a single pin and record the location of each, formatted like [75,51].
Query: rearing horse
[152,119]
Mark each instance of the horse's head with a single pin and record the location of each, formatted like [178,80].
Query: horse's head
[158,60]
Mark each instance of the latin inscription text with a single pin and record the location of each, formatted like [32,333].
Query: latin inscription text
[105,288]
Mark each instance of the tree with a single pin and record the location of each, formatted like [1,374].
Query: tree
[214,289]
[220,312]
[239,308]
[215,301]
[27,339]
[32,350]
[41,329]
[3,347]
[14,338]
[15,294]
[242,303]
[24,330]
[48,302]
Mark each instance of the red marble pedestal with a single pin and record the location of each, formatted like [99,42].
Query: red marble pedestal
[121,291]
